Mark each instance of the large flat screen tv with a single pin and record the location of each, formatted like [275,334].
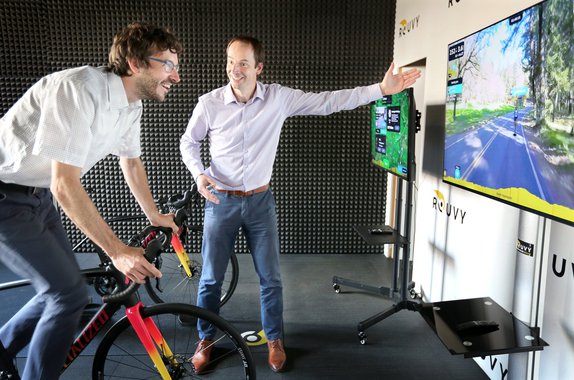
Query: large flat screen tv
[510,111]
[393,128]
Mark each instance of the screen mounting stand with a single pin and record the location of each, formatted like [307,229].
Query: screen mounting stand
[471,327]
[402,290]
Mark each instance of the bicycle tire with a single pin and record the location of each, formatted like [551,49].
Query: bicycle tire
[120,355]
[178,287]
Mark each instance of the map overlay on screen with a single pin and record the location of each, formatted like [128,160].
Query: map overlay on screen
[391,132]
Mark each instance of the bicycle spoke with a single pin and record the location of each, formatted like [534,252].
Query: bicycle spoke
[151,370]
[123,356]
[178,287]
[145,362]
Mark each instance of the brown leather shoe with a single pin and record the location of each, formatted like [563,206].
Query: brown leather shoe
[200,359]
[277,356]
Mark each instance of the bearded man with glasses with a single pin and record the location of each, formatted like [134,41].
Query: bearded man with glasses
[60,128]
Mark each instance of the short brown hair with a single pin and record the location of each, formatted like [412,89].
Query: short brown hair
[258,50]
[139,40]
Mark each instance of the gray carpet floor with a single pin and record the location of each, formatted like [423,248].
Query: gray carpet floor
[320,325]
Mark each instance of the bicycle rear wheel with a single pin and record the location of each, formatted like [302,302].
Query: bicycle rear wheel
[177,287]
[121,355]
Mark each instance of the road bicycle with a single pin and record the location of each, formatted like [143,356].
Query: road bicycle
[150,341]
[181,270]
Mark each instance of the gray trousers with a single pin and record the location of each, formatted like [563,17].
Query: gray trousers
[34,245]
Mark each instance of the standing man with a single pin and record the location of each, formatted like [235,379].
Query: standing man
[243,121]
[62,126]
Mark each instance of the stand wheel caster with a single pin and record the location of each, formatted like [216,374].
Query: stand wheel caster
[337,288]
[362,337]
[412,292]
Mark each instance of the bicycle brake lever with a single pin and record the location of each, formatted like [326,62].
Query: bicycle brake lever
[157,263]
[157,285]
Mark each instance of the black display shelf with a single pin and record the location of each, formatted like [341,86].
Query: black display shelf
[380,235]
[475,327]
[479,327]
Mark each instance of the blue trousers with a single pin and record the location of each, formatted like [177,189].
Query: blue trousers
[34,245]
[257,217]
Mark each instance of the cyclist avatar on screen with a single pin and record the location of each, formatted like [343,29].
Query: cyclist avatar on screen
[515,118]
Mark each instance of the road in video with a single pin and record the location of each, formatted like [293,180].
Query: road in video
[509,110]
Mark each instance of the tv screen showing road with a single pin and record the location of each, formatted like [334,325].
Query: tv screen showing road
[509,111]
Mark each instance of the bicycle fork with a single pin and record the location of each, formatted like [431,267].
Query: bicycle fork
[151,338]
[181,254]
[179,251]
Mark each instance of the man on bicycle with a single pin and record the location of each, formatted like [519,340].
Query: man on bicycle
[60,128]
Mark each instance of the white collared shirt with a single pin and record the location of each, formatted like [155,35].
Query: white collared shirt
[243,138]
[76,116]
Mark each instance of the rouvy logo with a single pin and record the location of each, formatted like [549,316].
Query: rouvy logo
[440,204]
[524,248]
[450,2]
[408,26]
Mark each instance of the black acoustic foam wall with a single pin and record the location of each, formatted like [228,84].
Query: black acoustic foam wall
[323,181]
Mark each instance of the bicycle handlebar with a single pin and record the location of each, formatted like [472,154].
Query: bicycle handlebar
[178,201]
[151,252]
[180,204]
[177,204]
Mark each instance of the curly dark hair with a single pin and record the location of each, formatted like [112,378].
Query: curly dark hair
[139,40]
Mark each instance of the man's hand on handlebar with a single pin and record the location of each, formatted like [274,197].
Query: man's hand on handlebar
[132,262]
[203,184]
[164,220]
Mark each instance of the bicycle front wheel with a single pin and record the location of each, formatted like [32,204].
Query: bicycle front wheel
[121,354]
[176,286]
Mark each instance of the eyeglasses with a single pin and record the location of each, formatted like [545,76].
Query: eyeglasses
[168,65]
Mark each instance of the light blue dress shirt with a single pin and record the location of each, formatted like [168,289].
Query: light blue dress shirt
[243,137]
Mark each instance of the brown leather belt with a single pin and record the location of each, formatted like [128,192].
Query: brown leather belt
[240,193]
